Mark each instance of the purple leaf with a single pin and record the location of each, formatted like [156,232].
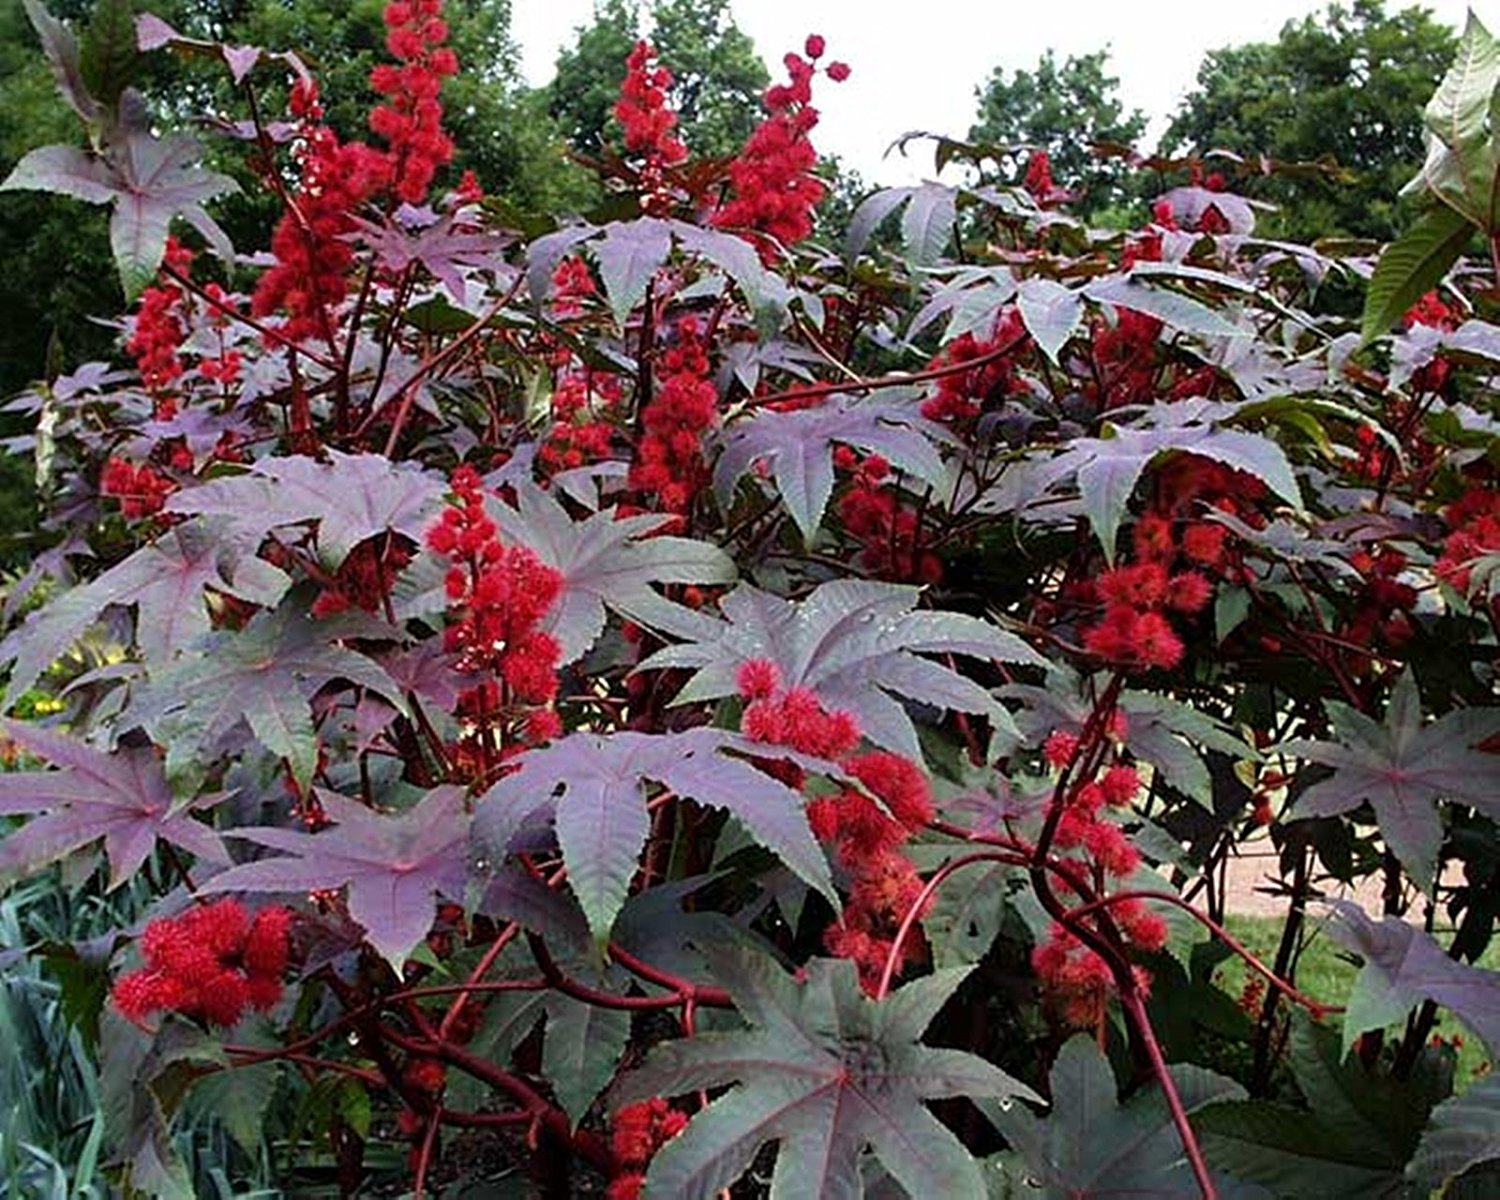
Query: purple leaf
[607,562]
[60,47]
[854,643]
[798,446]
[164,580]
[594,790]
[1404,966]
[394,866]
[263,676]
[1052,313]
[629,255]
[1107,469]
[120,797]
[351,496]
[444,249]
[152,33]
[1403,768]
[827,1074]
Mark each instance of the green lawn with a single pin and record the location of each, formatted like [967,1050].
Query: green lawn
[1326,972]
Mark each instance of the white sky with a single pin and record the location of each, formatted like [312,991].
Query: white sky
[916,63]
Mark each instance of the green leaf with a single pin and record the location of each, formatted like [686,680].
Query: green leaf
[1462,1132]
[108,51]
[240,1098]
[1091,1146]
[825,1072]
[1411,266]
[1355,1139]
[582,1047]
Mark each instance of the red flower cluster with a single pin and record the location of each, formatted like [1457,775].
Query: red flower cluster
[640,1130]
[873,515]
[1039,182]
[1124,352]
[649,124]
[212,962]
[309,279]
[502,593]
[364,578]
[868,825]
[1177,556]
[962,396]
[1432,312]
[1475,525]
[1077,980]
[412,120]
[669,466]
[141,490]
[159,331]
[774,189]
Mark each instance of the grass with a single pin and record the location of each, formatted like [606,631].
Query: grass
[1326,972]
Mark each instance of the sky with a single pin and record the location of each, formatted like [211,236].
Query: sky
[916,63]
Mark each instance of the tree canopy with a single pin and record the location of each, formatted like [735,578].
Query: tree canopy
[1348,85]
[1062,109]
[718,77]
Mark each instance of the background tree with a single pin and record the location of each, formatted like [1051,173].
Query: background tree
[1062,109]
[718,76]
[1350,84]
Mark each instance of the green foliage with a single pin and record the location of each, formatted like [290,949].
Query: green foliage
[1062,109]
[1346,86]
[717,75]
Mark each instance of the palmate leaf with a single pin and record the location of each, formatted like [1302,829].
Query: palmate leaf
[262,676]
[1404,966]
[1462,1133]
[629,253]
[1107,469]
[593,789]
[351,496]
[1403,768]
[798,447]
[394,865]
[926,224]
[148,180]
[1353,1139]
[1093,1147]
[446,249]
[1051,311]
[607,562]
[120,797]
[165,581]
[826,1073]
[857,644]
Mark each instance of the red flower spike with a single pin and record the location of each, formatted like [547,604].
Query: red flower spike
[211,963]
